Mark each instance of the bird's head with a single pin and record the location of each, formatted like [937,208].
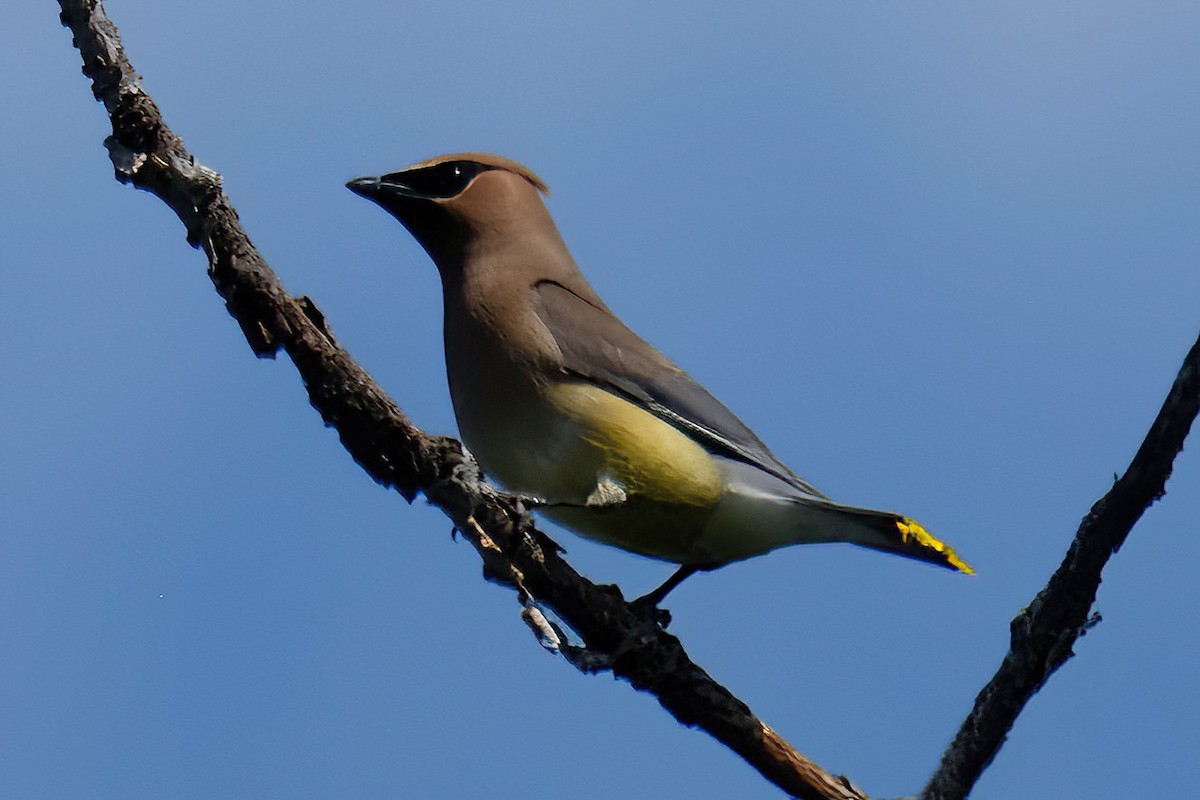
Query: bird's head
[456,202]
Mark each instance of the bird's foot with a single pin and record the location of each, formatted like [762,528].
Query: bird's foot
[526,503]
[646,608]
[523,506]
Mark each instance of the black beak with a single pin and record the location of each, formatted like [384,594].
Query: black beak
[384,188]
[366,187]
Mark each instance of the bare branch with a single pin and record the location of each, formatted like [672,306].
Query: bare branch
[1044,633]
[396,453]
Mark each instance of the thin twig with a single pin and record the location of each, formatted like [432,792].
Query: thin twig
[1044,633]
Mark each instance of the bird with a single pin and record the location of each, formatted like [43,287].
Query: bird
[561,402]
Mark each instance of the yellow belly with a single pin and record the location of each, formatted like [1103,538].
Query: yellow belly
[670,484]
[610,470]
[649,458]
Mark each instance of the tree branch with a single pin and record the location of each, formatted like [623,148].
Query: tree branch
[393,451]
[1044,632]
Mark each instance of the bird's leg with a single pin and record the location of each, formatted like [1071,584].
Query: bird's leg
[652,599]
[529,502]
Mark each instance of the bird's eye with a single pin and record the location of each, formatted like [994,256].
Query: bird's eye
[439,181]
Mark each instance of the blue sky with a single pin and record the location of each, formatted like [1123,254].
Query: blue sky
[941,256]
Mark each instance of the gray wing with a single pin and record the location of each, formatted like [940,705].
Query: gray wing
[599,348]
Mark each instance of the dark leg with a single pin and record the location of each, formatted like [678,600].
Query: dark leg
[652,599]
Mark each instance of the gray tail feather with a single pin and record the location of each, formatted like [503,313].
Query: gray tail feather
[891,533]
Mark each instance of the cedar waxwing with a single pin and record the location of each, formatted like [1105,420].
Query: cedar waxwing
[559,400]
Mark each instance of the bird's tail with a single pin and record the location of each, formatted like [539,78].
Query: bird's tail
[892,533]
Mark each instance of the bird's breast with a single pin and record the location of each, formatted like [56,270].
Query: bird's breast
[610,469]
[560,440]
[522,440]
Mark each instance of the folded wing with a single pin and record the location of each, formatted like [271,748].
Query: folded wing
[598,348]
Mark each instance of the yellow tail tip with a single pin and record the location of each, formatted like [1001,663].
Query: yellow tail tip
[911,529]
